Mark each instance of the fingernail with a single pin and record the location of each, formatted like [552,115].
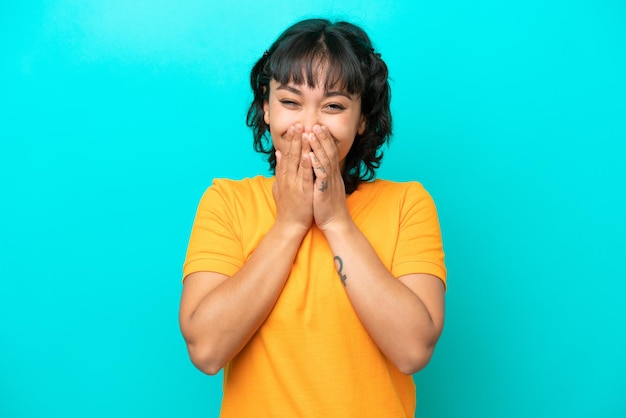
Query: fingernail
[317,129]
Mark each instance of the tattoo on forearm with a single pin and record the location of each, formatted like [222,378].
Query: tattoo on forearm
[324,186]
[339,266]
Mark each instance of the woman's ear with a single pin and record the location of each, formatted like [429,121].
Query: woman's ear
[266,112]
[361,129]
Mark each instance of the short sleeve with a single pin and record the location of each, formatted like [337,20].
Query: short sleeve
[215,241]
[419,248]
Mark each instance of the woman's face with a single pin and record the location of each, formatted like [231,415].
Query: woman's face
[292,104]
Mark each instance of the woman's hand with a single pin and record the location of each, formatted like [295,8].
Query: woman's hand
[293,188]
[329,194]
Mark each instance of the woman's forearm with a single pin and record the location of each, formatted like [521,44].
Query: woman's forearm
[218,323]
[397,318]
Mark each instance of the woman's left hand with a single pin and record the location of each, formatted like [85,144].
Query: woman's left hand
[329,194]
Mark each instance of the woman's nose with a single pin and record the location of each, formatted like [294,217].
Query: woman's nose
[309,120]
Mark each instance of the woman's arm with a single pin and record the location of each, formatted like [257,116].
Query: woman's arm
[404,316]
[219,314]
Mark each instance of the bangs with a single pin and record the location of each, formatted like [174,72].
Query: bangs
[318,60]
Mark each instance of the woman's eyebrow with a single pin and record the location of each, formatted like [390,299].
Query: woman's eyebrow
[289,89]
[331,93]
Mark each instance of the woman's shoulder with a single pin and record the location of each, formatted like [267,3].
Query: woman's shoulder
[240,189]
[386,193]
[391,187]
[240,184]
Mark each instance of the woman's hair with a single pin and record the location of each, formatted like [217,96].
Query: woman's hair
[347,52]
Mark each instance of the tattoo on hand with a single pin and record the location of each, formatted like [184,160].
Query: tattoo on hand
[324,186]
[339,266]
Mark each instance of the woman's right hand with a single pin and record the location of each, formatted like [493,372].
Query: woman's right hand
[293,187]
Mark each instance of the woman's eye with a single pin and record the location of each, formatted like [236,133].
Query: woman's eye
[288,102]
[335,106]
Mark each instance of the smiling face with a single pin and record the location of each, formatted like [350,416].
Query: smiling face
[291,104]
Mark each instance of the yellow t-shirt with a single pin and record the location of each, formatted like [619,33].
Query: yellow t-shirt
[312,357]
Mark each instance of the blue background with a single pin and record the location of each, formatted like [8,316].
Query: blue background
[116,115]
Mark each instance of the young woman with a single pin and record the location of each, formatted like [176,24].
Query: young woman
[319,290]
